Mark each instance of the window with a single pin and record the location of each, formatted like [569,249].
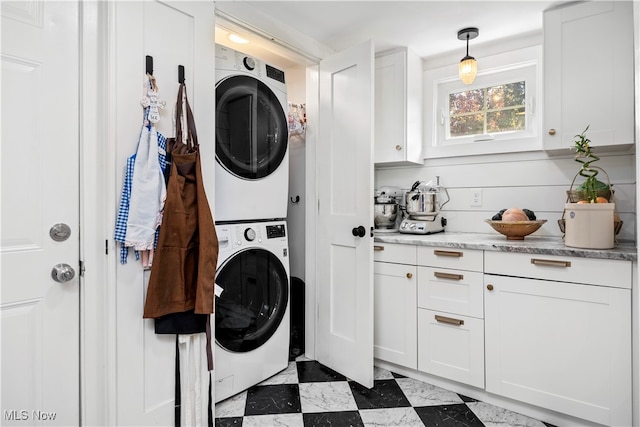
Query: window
[495,114]
[495,109]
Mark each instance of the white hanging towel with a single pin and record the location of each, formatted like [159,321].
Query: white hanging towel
[148,193]
[148,189]
[194,380]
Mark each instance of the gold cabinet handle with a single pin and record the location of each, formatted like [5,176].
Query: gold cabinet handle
[449,320]
[378,248]
[490,287]
[551,262]
[409,275]
[447,253]
[552,131]
[441,275]
[398,147]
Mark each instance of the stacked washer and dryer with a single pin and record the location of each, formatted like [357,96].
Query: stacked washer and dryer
[252,322]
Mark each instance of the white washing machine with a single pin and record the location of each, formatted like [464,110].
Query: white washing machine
[252,324]
[252,139]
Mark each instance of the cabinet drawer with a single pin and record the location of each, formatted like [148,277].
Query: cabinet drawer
[461,259]
[594,271]
[451,346]
[451,291]
[394,252]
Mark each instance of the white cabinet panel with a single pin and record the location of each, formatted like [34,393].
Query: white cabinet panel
[395,318]
[603,272]
[461,259]
[561,346]
[451,346]
[579,91]
[397,253]
[398,108]
[452,291]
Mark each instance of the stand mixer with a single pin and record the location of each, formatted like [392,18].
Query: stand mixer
[386,208]
[423,205]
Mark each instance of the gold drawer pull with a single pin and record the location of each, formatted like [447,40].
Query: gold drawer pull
[449,320]
[378,248]
[409,275]
[451,276]
[447,253]
[551,262]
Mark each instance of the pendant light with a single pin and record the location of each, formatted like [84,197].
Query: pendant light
[468,66]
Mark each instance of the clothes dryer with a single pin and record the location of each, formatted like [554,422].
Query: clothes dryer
[252,139]
[252,324]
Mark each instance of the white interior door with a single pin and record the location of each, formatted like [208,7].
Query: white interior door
[40,188]
[345,194]
[173,33]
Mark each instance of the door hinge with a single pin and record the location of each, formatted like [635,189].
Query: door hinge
[82,268]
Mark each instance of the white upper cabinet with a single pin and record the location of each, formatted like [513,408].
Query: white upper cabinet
[588,74]
[398,108]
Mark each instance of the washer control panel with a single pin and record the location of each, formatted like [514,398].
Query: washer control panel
[275,231]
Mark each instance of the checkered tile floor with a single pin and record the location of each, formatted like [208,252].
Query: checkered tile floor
[308,393]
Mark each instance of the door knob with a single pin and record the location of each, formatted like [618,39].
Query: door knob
[359,231]
[62,273]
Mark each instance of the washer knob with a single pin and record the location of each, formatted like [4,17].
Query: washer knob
[250,63]
[250,234]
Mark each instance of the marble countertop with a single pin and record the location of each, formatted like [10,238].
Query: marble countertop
[497,242]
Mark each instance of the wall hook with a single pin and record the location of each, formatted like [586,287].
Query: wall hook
[149,65]
[180,74]
[297,199]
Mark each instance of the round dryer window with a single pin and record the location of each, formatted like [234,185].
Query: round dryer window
[253,301]
[251,128]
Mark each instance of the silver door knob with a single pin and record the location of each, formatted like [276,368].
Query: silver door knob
[62,273]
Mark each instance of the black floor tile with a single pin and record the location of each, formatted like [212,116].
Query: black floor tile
[337,419]
[548,424]
[448,416]
[466,398]
[273,399]
[397,375]
[384,394]
[314,372]
[229,422]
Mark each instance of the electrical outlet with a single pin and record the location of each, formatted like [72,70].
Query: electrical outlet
[476,197]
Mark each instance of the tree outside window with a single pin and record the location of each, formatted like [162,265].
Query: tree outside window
[490,110]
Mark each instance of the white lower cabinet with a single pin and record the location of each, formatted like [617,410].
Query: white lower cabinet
[450,314]
[451,346]
[561,346]
[395,323]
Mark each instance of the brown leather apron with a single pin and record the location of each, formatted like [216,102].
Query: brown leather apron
[184,266]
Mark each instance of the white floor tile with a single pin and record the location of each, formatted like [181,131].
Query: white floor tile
[287,376]
[232,407]
[493,416]
[422,394]
[326,397]
[381,374]
[405,417]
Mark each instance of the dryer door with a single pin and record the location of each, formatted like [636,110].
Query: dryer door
[251,128]
[253,301]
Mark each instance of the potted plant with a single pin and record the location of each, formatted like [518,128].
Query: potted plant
[588,220]
[591,189]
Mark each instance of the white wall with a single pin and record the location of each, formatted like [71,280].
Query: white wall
[296,94]
[532,180]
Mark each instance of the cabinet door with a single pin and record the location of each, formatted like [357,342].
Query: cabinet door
[398,108]
[561,346]
[588,73]
[395,323]
[451,346]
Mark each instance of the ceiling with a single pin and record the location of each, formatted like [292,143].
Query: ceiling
[427,27]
